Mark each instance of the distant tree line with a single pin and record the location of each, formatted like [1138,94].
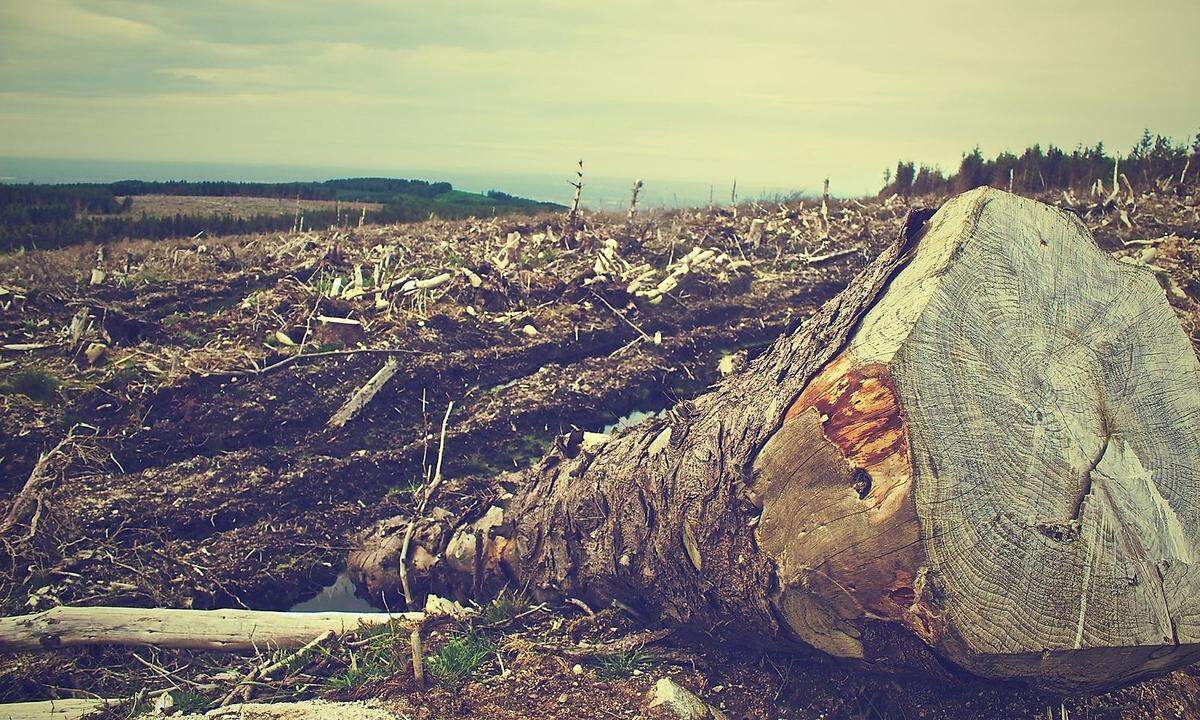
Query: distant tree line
[48,216]
[1153,158]
[349,189]
[24,204]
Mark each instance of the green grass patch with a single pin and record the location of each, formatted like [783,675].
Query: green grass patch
[477,464]
[34,383]
[458,660]
[506,606]
[412,489]
[189,702]
[622,664]
[385,653]
[358,673]
[191,339]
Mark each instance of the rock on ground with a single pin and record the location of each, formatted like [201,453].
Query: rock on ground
[671,701]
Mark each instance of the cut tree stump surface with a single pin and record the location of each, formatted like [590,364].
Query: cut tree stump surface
[1004,458]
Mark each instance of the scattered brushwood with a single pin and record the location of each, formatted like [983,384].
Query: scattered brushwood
[513,659]
[217,479]
[699,266]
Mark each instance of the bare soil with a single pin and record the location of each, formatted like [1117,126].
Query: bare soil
[201,472]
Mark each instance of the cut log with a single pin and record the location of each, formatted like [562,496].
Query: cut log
[66,709]
[983,455]
[1002,459]
[215,630]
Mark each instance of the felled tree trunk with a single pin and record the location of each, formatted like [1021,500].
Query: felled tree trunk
[984,455]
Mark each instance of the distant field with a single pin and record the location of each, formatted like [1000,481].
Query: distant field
[171,205]
[46,216]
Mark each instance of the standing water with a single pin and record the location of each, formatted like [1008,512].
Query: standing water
[633,418]
[338,597]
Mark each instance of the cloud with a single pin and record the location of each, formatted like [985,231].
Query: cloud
[771,89]
[53,19]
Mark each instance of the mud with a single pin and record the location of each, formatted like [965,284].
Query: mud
[207,476]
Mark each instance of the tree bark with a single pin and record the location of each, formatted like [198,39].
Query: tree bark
[981,456]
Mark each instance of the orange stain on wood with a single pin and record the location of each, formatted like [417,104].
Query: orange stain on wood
[860,414]
[857,408]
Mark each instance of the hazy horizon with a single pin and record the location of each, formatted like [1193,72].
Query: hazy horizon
[777,95]
[599,192]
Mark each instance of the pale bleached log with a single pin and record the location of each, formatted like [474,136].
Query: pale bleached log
[215,630]
[68,709]
[418,284]
[365,394]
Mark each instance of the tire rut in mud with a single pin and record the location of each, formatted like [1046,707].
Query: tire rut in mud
[225,529]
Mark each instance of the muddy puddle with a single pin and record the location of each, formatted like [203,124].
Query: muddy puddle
[632,418]
[338,597]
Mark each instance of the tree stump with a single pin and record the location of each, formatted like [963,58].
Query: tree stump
[1004,458]
[984,455]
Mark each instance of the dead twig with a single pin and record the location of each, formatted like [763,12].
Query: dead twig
[30,495]
[417,641]
[621,315]
[250,372]
[826,257]
[245,687]
[573,217]
[419,512]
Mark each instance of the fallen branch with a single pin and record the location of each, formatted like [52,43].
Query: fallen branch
[818,259]
[365,394]
[306,356]
[215,630]
[1148,242]
[246,686]
[30,494]
[621,315]
[585,652]
[67,709]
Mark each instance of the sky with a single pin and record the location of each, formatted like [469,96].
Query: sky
[778,94]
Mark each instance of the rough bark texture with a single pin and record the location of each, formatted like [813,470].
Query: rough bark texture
[660,517]
[986,447]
